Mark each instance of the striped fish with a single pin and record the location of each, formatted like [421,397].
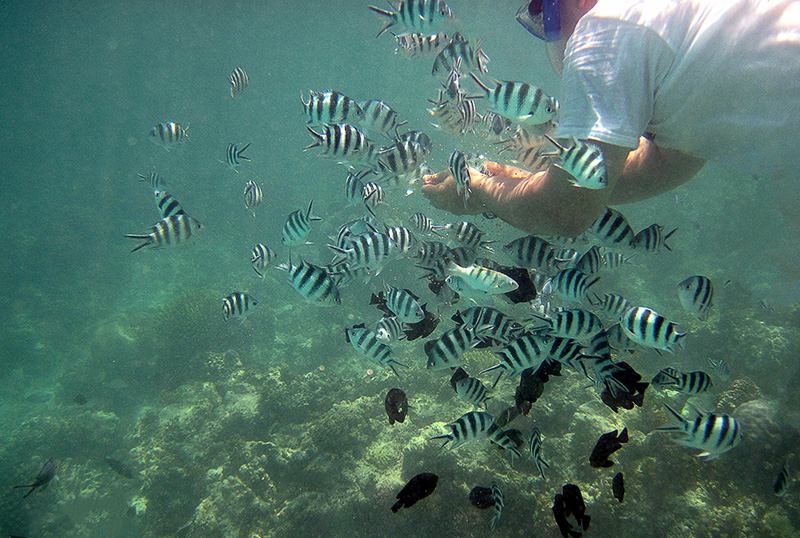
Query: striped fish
[572,285]
[531,252]
[262,258]
[468,427]
[331,107]
[472,58]
[470,235]
[167,204]
[584,162]
[153,179]
[713,433]
[447,351]
[171,231]
[577,324]
[234,155]
[416,15]
[494,125]
[603,367]
[380,118]
[239,80]
[782,482]
[366,342]
[312,282]
[590,262]
[419,137]
[237,305]
[696,295]
[430,254]
[509,440]
[372,194]
[341,141]
[404,240]
[403,304]
[527,351]
[472,391]
[401,160]
[611,304]
[424,225]
[535,445]
[388,329]
[460,172]
[612,230]
[519,101]
[481,279]
[653,239]
[720,368]
[169,135]
[644,326]
[615,260]
[618,340]
[686,383]
[503,328]
[369,250]
[253,196]
[354,187]
[298,226]
[418,45]
[497,508]
[566,351]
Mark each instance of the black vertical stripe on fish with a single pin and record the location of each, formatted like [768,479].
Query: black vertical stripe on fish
[239,81]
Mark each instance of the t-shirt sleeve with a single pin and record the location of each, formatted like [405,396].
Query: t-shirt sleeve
[610,80]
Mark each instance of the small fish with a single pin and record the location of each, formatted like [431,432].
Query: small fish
[470,235]
[607,444]
[782,481]
[122,469]
[403,159]
[712,433]
[646,327]
[481,279]
[527,351]
[153,179]
[354,187]
[686,383]
[298,226]
[330,108]
[497,505]
[417,137]
[572,285]
[632,396]
[389,328]
[447,351]
[720,367]
[404,240]
[481,498]
[590,262]
[460,172]
[253,196]
[531,252]
[366,342]
[418,45]
[612,230]
[403,304]
[577,324]
[396,405]
[618,487]
[341,141]
[234,155]
[611,304]
[262,258]
[171,231]
[43,479]
[372,194]
[472,391]
[519,101]
[380,118]
[468,427]
[503,328]
[168,135]
[415,490]
[535,445]
[416,15]
[369,250]
[312,282]
[167,204]
[570,503]
[424,225]
[696,295]
[237,305]
[653,239]
[472,57]
[584,162]
[238,79]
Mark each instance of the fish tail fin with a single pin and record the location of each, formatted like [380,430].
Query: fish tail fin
[239,152]
[318,139]
[146,239]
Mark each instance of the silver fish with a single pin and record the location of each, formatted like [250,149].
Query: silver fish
[171,231]
[712,433]
[696,294]
[646,327]
[584,162]
[519,101]
[331,107]
[169,135]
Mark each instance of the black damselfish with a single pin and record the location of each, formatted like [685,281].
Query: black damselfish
[417,488]
[570,503]
[618,487]
[607,444]
[632,381]
[396,404]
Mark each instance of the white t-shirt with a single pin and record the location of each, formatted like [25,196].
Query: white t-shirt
[718,79]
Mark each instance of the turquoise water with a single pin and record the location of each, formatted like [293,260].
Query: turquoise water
[276,427]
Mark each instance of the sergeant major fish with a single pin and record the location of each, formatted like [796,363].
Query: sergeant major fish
[298,226]
[519,101]
[331,107]
[262,258]
[584,162]
[416,15]
[468,427]
[646,327]
[174,230]
[460,172]
[43,479]
[713,433]
[167,204]
[168,135]
[686,383]
[237,305]
[253,196]
[341,141]
[696,295]
[366,342]
[234,155]
[239,80]
[312,282]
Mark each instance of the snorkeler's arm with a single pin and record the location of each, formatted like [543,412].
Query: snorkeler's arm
[650,171]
